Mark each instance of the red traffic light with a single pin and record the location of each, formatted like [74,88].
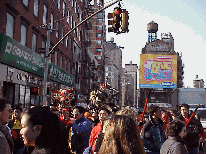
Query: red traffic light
[34,90]
[118,12]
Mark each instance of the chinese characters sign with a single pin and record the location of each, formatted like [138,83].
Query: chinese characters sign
[158,71]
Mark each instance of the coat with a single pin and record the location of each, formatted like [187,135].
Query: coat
[94,134]
[80,134]
[153,135]
[193,130]
[6,142]
[174,145]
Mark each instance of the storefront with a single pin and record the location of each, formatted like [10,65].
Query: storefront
[21,69]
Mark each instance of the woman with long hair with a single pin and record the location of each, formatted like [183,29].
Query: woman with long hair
[121,136]
[43,130]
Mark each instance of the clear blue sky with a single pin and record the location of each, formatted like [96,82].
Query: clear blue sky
[184,19]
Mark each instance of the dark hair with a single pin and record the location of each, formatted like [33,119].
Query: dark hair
[18,108]
[152,109]
[80,109]
[185,105]
[50,137]
[3,103]
[175,127]
[106,108]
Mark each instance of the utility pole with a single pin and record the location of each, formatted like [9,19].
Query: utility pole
[46,65]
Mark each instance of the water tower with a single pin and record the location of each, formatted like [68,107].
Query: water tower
[152,29]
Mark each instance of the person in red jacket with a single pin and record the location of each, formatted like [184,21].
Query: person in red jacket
[66,117]
[104,112]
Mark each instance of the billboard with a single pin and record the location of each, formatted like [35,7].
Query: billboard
[158,71]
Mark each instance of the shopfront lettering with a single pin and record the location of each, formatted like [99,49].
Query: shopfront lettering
[11,49]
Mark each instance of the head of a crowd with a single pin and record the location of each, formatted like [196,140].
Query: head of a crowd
[38,123]
[154,111]
[175,128]
[5,108]
[78,112]
[184,110]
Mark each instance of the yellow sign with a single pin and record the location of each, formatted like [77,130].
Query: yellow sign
[158,71]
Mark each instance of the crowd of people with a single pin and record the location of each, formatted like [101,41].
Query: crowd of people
[106,130]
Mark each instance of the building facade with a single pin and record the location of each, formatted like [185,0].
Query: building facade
[198,83]
[22,31]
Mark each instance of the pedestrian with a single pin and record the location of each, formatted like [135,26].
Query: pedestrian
[103,114]
[175,144]
[193,129]
[6,140]
[42,129]
[65,117]
[81,130]
[121,136]
[15,125]
[152,132]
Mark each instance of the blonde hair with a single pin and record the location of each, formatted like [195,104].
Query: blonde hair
[121,136]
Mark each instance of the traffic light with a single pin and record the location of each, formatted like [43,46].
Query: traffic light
[124,21]
[117,19]
[110,22]
[34,90]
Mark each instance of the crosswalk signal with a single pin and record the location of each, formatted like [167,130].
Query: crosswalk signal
[124,21]
[117,19]
[34,91]
[110,22]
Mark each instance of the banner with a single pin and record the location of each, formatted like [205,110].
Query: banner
[158,71]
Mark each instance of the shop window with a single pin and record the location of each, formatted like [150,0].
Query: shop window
[36,7]
[23,35]
[10,25]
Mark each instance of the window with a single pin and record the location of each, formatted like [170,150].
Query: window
[66,42]
[57,27]
[52,20]
[23,35]
[34,42]
[64,9]
[25,2]
[98,35]
[99,20]
[10,25]
[99,50]
[98,42]
[99,27]
[61,61]
[43,46]
[109,68]
[56,56]
[66,66]
[68,14]
[45,15]
[71,21]
[36,5]
[58,5]
[100,15]
[62,34]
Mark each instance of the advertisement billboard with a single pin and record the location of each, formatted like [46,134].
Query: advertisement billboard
[158,71]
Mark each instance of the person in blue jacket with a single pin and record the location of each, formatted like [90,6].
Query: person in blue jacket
[152,132]
[81,130]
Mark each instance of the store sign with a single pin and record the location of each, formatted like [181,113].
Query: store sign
[19,56]
[59,75]
[158,71]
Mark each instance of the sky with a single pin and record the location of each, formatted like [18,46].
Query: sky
[184,19]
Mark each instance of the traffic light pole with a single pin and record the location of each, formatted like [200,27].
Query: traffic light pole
[46,66]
